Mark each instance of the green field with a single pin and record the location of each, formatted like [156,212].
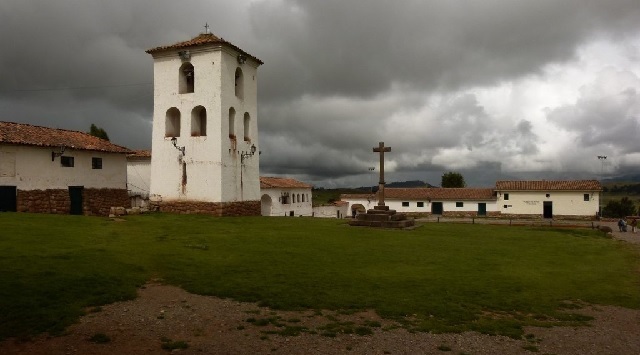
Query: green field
[448,277]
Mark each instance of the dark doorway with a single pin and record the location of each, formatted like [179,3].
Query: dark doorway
[547,209]
[436,207]
[482,209]
[8,201]
[75,195]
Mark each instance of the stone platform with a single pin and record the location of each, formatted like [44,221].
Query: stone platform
[382,217]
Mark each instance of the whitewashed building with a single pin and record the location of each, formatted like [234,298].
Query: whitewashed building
[427,201]
[517,199]
[285,197]
[139,177]
[205,128]
[549,199]
[337,209]
[49,170]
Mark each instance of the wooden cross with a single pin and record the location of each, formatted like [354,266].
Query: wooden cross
[206,27]
[381,149]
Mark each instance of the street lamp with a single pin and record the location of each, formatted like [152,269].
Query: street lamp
[602,159]
[372,169]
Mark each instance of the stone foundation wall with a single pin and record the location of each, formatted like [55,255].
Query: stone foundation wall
[221,209]
[470,214]
[555,217]
[96,202]
[44,201]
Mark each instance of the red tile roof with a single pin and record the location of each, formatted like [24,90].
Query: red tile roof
[26,134]
[203,39]
[277,182]
[140,154]
[428,193]
[549,185]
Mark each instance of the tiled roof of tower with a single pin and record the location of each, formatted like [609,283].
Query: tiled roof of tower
[418,193]
[26,134]
[202,39]
[276,182]
[548,185]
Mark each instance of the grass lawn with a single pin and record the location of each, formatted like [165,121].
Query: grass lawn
[445,277]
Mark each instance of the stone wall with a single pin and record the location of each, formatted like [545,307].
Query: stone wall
[44,201]
[555,217]
[98,202]
[222,209]
[470,214]
[94,201]
[462,214]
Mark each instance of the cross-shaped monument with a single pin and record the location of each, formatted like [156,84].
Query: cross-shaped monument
[381,149]
[381,215]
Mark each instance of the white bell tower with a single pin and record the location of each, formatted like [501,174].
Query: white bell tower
[205,148]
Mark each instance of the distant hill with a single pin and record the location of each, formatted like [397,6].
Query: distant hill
[623,178]
[399,184]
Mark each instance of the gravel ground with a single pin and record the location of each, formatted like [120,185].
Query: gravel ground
[211,325]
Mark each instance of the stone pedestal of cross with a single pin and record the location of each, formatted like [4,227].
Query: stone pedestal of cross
[381,149]
[381,216]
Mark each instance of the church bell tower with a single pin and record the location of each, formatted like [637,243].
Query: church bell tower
[205,148]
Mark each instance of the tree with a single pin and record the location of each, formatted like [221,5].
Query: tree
[98,132]
[619,209]
[453,179]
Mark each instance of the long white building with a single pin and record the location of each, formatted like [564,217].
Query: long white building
[519,199]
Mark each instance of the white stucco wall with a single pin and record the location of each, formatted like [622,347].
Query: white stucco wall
[331,211]
[139,177]
[299,208]
[447,206]
[567,203]
[212,163]
[32,169]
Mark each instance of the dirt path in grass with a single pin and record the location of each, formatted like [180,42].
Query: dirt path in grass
[168,316]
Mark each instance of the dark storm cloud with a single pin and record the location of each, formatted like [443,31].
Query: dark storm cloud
[358,48]
[339,76]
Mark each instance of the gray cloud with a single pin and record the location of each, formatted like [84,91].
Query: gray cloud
[340,76]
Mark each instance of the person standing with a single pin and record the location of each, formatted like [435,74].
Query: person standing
[634,223]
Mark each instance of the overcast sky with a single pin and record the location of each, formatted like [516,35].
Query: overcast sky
[493,89]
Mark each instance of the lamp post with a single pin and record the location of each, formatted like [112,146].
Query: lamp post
[372,169]
[602,159]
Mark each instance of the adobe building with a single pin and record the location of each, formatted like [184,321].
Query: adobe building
[50,170]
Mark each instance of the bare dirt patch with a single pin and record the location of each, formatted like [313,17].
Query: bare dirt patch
[168,316]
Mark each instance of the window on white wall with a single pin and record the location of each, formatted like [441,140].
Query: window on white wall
[187,78]
[66,162]
[232,123]
[198,121]
[459,204]
[247,127]
[172,123]
[96,163]
[420,204]
[405,204]
[239,83]
[586,197]
[506,197]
